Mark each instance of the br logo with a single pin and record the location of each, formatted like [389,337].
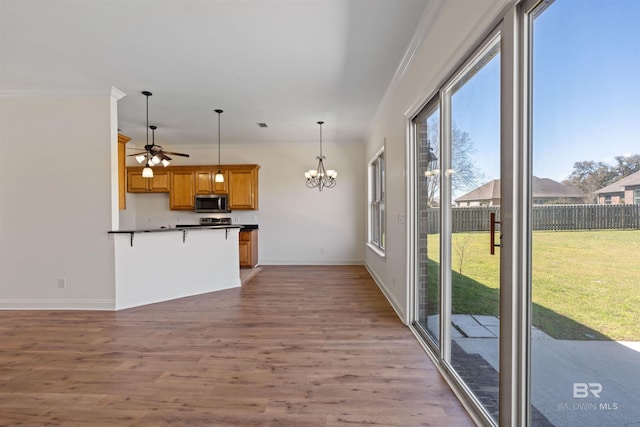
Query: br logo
[582,390]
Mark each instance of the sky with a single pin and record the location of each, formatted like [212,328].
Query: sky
[586,87]
[586,90]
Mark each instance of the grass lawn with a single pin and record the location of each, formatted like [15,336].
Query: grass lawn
[586,284]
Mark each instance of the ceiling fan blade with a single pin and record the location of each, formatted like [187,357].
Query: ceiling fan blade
[136,154]
[176,154]
[163,156]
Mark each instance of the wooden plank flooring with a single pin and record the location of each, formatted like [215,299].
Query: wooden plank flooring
[296,346]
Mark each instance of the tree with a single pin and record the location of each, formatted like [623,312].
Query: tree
[590,176]
[465,176]
[626,165]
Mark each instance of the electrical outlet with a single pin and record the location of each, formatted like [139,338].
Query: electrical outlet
[62,283]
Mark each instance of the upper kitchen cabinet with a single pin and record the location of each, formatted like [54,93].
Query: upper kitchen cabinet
[243,186]
[182,190]
[122,171]
[205,182]
[137,184]
[184,182]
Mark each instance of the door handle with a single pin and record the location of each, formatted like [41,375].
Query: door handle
[492,233]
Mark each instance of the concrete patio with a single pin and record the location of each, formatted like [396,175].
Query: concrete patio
[606,373]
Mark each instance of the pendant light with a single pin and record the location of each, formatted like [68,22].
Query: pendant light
[219,177]
[320,177]
[153,154]
[147,172]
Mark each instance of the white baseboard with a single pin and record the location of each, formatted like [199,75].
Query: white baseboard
[57,304]
[390,297]
[311,262]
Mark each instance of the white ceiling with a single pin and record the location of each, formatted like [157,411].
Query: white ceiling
[288,63]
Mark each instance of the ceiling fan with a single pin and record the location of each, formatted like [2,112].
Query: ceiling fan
[153,154]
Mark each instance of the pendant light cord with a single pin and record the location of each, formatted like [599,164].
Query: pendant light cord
[320,123]
[147,119]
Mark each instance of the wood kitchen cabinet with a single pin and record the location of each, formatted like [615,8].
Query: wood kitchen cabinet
[206,184]
[182,195]
[243,186]
[248,247]
[137,184]
[122,171]
[184,182]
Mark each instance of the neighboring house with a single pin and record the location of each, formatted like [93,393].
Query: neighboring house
[623,191]
[545,190]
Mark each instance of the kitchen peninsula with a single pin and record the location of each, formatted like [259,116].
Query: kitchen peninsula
[155,265]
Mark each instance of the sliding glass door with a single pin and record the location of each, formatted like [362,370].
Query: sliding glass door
[457,152]
[427,127]
[584,229]
[537,136]
[472,177]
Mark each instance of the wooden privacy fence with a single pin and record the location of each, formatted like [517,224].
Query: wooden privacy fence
[544,217]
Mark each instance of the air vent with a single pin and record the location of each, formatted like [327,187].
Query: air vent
[263,125]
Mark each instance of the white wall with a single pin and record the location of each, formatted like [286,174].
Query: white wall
[297,225]
[456,26]
[56,195]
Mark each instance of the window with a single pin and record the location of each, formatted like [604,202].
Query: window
[636,196]
[607,199]
[377,196]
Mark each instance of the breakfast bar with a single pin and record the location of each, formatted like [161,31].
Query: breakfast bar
[155,265]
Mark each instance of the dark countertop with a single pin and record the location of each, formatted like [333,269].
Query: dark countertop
[177,228]
[243,227]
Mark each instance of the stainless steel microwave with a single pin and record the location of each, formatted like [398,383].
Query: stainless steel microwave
[212,203]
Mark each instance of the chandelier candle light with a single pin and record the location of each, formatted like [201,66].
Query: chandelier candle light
[321,177]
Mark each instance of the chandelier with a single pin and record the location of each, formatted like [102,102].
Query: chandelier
[321,177]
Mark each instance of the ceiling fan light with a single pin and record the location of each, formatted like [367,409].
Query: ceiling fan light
[219,177]
[155,160]
[147,172]
[140,158]
[165,162]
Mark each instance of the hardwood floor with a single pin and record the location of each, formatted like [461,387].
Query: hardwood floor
[296,346]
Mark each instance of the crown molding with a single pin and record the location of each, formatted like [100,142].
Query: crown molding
[429,16]
[61,93]
[117,93]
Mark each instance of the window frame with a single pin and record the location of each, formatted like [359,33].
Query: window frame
[376,206]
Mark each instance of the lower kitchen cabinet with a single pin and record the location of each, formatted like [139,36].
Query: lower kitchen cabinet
[248,247]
